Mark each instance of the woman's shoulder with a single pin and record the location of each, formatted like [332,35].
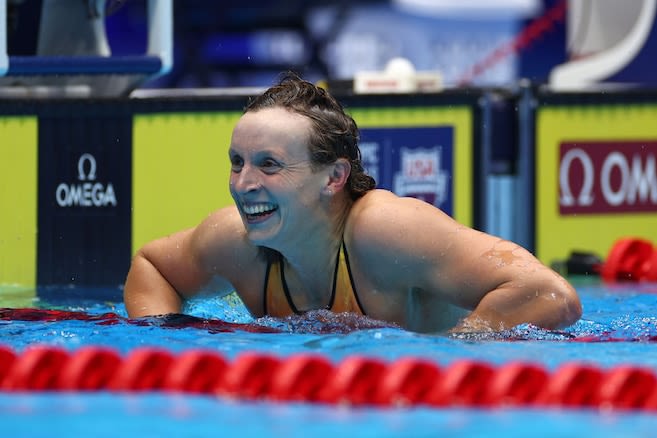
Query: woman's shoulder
[222,235]
[371,218]
[224,223]
[375,238]
[381,207]
[225,251]
[383,222]
[372,202]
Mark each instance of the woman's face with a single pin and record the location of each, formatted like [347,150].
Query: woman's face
[272,180]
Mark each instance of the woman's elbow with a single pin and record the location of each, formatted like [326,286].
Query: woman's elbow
[569,306]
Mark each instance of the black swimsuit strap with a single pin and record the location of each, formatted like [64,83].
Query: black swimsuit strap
[265,291]
[351,279]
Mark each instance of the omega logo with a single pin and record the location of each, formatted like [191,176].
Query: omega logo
[609,179]
[88,192]
[585,197]
[87,158]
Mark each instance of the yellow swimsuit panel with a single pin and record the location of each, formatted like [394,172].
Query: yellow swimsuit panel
[278,302]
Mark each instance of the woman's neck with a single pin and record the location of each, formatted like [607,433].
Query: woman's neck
[309,262]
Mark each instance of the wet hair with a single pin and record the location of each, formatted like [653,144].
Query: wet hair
[334,133]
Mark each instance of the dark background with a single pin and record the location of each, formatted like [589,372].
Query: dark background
[232,43]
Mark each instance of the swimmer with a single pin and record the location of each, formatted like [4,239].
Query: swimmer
[309,231]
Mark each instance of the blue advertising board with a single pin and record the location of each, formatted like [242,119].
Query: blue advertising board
[412,161]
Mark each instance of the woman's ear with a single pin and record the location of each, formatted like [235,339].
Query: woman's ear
[338,176]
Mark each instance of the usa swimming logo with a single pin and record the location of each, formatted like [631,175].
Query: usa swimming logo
[421,175]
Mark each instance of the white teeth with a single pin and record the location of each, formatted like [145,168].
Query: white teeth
[258,208]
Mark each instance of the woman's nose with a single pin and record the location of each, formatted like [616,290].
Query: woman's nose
[246,180]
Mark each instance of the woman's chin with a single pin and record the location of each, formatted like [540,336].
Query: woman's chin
[261,237]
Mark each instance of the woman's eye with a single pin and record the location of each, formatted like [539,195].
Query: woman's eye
[269,164]
[236,163]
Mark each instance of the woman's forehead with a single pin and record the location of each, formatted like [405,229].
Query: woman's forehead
[275,118]
[269,127]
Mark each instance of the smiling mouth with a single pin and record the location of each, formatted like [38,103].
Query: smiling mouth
[258,212]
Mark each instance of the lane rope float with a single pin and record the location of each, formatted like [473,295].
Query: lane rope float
[312,378]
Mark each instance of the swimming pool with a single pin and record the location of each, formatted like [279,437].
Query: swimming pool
[619,327]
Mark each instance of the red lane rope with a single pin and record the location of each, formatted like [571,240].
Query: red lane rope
[174,321]
[355,381]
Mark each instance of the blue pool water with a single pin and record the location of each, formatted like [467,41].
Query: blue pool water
[619,326]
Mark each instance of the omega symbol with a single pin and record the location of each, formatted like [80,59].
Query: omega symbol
[84,158]
[585,197]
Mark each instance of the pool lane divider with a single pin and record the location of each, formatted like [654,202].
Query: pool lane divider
[312,378]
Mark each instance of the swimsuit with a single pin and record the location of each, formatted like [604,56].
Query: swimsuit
[278,302]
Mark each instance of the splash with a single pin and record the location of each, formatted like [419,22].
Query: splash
[324,322]
[313,322]
[522,332]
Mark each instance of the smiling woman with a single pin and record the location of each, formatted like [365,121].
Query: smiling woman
[308,231]
[276,173]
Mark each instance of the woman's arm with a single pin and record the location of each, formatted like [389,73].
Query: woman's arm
[422,248]
[528,292]
[162,274]
[171,269]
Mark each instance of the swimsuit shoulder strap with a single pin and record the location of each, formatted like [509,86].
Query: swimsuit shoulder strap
[277,299]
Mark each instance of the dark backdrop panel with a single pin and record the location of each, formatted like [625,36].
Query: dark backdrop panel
[84,198]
